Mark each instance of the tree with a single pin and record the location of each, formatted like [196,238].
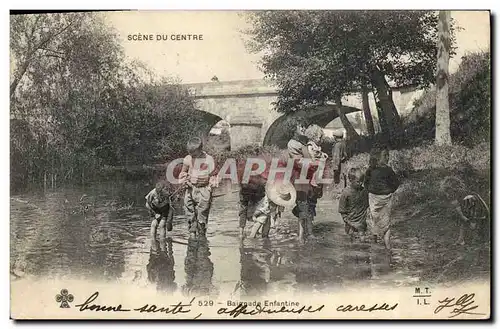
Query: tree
[314,56]
[77,103]
[443,133]
[366,111]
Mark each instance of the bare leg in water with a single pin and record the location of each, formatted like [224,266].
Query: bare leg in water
[262,222]
[162,228]
[302,230]
[461,235]
[266,228]
[255,230]
[387,239]
[154,226]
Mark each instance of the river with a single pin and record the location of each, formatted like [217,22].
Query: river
[53,237]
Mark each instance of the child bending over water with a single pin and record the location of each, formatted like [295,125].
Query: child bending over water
[159,204]
[470,209]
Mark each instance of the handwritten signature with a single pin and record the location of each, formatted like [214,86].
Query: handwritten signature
[462,305]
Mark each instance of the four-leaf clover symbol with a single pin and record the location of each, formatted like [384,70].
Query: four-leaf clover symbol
[64,298]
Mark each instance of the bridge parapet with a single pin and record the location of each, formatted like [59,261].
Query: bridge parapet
[242,88]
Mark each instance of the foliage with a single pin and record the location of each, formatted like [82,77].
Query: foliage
[432,156]
[78,104]
[316,56]
[470,104]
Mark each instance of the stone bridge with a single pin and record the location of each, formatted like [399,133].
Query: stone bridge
[247,105]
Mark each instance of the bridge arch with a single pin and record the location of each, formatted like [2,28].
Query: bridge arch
[248,106]
[279,131]
[206,130]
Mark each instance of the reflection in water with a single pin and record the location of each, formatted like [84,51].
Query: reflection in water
[255,270]
[199,269]
[380,262]
[51,238]
[160,267]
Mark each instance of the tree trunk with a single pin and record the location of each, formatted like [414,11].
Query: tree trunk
[350,131]
[443,134]
[18,76]
[366,111]
[386,103]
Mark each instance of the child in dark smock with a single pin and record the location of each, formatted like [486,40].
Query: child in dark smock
[353,204]
[380,182]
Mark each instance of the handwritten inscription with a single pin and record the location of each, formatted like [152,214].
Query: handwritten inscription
[89,306]
[243,309]
[463,305]
[364,308]
[179,307]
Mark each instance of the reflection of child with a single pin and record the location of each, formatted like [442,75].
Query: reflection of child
[353,204]
[158,203]
[160,268]
[199,269]
[471,209]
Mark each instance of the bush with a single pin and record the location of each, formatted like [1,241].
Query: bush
[470,105]
[422,168]
[432,157]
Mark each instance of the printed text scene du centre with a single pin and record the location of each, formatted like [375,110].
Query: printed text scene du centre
[163,37]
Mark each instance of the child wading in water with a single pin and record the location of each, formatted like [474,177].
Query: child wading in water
[471,210]
[260,203]
[265,202]
[159,204]
[197,173]
[298,150]
[315,134]
[353,204]
[381,182]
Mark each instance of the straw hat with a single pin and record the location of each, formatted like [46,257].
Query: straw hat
[282,193]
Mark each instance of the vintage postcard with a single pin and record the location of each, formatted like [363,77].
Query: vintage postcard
[240,165]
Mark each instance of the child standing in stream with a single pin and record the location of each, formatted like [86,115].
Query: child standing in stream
[381,182]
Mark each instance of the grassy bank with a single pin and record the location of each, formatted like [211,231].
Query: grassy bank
[421,212]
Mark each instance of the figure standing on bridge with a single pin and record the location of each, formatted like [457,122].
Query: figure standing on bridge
[198,173]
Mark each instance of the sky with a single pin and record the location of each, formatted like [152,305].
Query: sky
[222,51]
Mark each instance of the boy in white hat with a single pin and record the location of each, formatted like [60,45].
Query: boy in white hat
[279,194]
[260,200]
